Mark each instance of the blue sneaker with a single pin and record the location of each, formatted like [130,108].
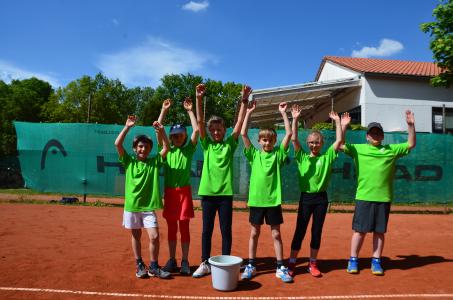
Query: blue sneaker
[282,273]
[376,268]
[249,272]
[353,265]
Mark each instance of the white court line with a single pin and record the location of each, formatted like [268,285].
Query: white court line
[38,290]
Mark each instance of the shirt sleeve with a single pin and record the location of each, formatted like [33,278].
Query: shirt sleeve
[331,154]
[400,149]
[350,149]
[204,142]
[125,160]
[233,143]
[282,154]
[249,153]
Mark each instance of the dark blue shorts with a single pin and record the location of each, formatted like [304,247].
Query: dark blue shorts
[371,216]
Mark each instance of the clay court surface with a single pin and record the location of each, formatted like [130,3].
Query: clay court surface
[80,252]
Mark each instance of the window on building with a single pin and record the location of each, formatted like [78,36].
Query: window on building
[438,120]
[356,115]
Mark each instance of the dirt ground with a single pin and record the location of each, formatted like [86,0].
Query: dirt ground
[67,252]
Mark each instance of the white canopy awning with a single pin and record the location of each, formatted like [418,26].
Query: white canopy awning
[311,96]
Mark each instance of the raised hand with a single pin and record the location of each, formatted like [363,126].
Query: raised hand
[282,107]
[345,119]
[200,90]
[246,91]
[251,107]
[410,119]
[295,111]
[188,105]
[130,122]
[157,126]
[166,104]
[334,116]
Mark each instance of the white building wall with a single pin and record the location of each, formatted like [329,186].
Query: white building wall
[385,100]
[332,71]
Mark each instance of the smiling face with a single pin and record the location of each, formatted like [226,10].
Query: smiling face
[375,136]
[315,142]
[142,150]
[178,139]
[267,138]
[217,131]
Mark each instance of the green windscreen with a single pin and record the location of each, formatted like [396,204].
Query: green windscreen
[82,159]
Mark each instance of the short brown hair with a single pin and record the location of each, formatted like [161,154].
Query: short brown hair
[268,133]
[142,138]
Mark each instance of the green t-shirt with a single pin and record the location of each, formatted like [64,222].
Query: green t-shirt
[142,183]
[375,169]
[217,172]
[265,188]
[177,166]
[314,172]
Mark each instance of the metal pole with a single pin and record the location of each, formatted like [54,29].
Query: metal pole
[89,108]
[444,121]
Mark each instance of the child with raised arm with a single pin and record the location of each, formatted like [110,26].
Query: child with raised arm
[178,206]
[216,184]
[142,194]
[375,168]
[314,175]
[265,190]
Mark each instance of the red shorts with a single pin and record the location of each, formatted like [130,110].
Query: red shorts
[178,204]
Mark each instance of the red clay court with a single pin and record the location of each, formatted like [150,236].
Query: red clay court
[80,252]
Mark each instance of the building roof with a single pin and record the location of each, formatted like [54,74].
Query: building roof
[383,66]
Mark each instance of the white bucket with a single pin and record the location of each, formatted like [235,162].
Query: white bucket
[225,272]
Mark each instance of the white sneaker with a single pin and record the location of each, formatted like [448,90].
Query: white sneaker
[203,270]
[282,273]
[249,272]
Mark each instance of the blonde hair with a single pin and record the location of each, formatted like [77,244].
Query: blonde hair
[216,120]
[316,132]
[269,133]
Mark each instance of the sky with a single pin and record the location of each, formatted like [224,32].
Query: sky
[260,43]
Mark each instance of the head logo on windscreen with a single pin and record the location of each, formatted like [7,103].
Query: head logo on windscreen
[51,143]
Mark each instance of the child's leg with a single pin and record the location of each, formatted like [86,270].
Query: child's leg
[209,208]
[253,241]
[356,243]
[225,220]
[136,243]
[185,238]
[319,215]
[172,231]
[278,245]
[303,218]
[153,234]
[378,244]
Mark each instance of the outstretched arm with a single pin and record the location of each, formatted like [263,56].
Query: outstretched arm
[130,122]
[282,108]
[245,126]
[295,112]
[163,112]
[160,133]
[193,120]
[246,91]
[411,136]
[199,94]
[345,120]
[339,136]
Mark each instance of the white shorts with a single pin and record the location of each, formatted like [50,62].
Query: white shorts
[142,219]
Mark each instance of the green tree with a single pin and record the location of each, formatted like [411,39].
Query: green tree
[441,32]
[21,100]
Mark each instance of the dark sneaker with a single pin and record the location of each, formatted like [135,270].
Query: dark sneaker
[171,265]
[291,269]
[185,267]
[159,273]
[376,268]
[353,265]
[141,270]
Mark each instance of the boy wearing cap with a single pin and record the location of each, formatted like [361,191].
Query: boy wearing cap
[375,169]
[178,206]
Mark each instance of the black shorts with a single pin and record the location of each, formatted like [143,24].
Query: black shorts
[371,216]
[273,215]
